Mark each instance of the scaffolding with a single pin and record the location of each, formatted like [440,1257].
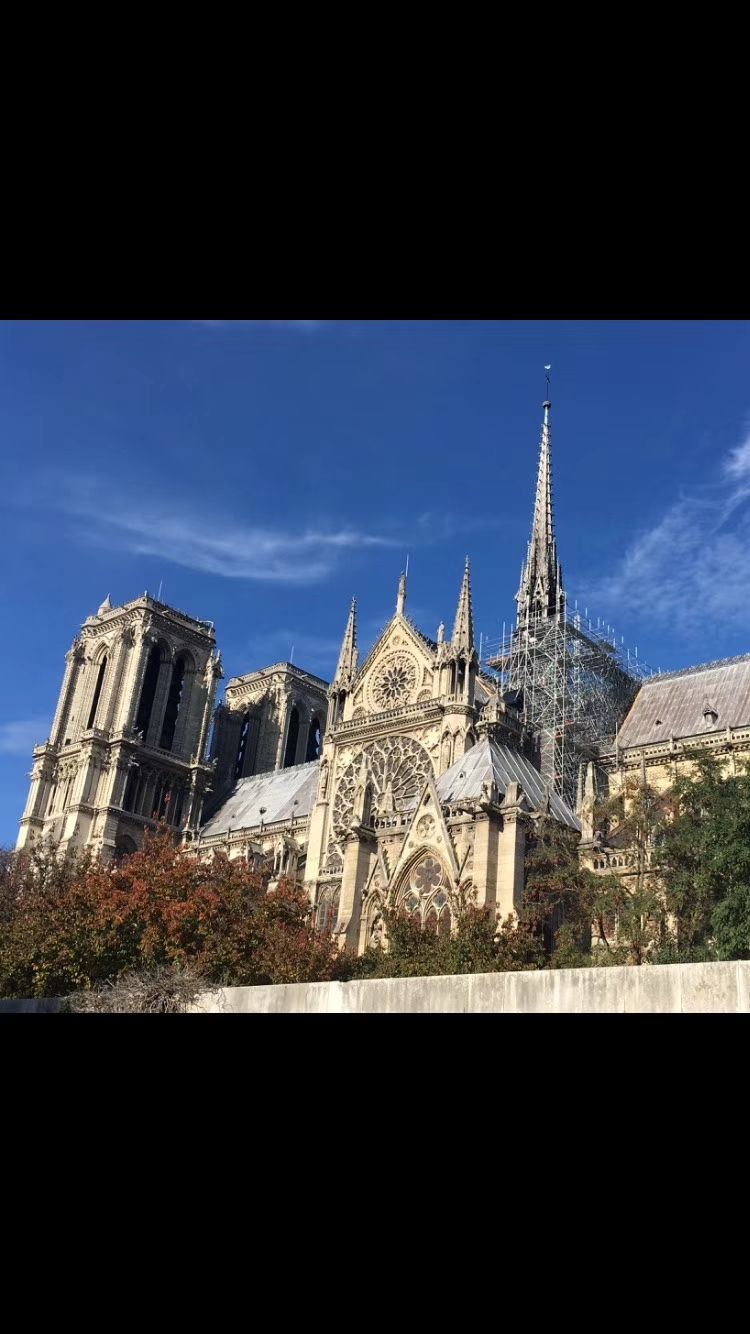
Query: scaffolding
[572,684]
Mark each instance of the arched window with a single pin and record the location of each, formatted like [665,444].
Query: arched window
[124,847]
[313,741]
[131,786]
[328,910]
[173,703]
[178,807]
[148,691]
[291,739]
[165,805]
[426,900]
[97,692]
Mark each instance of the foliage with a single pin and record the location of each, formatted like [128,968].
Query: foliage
[147,932]
[70,924]
[630,917]
[476,945]
[704,857]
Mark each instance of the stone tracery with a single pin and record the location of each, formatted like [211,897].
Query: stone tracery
[396,762]
[394,681]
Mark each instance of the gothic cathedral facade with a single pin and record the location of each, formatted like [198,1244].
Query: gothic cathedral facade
[412,779]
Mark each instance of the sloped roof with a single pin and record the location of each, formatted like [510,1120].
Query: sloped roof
[276,792]
[673,705]
[489,759]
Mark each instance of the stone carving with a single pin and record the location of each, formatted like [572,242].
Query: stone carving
[394,681]
[398,762]
[427,875]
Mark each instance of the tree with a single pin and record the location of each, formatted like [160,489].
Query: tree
[477,944]
[71,924]
[630,915]
[704,859]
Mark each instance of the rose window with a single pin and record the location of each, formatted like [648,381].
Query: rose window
[398,761]
[427,876]
[395,681]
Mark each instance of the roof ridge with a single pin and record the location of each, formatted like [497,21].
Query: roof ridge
[696,668]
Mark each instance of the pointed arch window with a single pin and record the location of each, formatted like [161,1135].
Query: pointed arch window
[313,741]
[328,909]
[426,900]
[97,692]
[174,699]
[148,691]
[291,739]
[131,788]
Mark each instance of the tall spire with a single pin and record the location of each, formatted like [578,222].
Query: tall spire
[401,599]
[540,592]
[463,629]
[348,655]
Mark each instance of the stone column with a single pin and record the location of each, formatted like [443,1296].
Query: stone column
[359,852]
[511,850]
[484,872]
[318,827]
[212,675]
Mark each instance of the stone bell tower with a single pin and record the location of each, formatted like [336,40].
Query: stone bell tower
[128,740]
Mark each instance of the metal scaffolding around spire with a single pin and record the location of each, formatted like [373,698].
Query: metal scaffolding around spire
[572,683]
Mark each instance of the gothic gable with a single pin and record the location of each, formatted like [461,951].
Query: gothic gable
[397,672]
[427,837]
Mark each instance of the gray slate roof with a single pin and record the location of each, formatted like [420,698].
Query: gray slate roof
[489,759]
[276,791]
[673,705]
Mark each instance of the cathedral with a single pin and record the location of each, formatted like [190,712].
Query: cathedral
[415,774]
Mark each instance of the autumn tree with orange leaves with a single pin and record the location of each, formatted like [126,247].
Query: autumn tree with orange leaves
[72,924]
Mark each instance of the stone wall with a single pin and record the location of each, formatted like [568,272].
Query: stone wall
[713,988]
[692,988]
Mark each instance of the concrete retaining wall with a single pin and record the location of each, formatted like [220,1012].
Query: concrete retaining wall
[692,988]
[687,988]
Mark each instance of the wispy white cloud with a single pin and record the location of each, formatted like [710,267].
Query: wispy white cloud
[304,326]
[692,566]
[19,738]
[737,464]
[216,543]
[442,527]
[212,544]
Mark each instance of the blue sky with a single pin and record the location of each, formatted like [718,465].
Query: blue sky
[266,471]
